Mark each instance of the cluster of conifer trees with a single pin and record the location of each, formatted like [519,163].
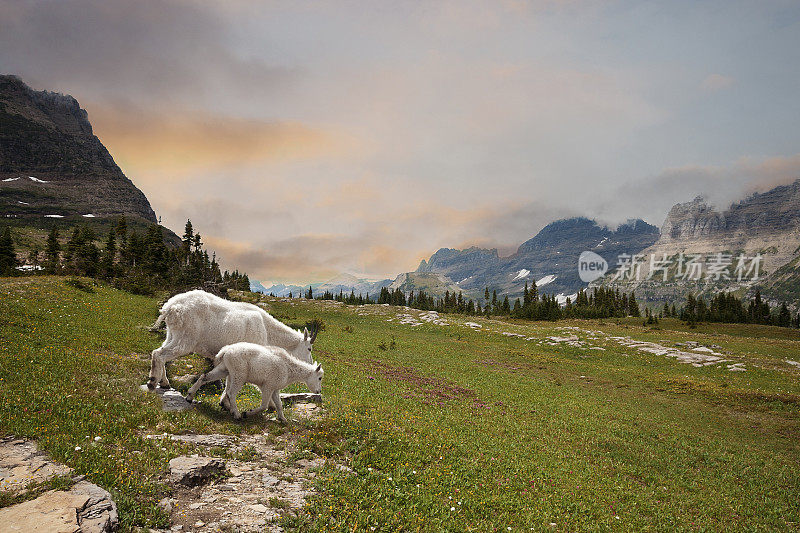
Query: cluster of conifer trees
[725,307]
[139,263]
[601,303]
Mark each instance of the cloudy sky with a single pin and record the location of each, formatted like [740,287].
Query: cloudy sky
[305,139]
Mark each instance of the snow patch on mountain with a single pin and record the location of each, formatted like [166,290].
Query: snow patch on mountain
[11,179]
[37,180]
[524,273]
[562,298]
[550,278]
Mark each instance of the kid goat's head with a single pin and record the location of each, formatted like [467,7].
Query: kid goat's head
[314,380]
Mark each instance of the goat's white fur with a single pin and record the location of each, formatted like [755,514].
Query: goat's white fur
[199,322]
[270,368]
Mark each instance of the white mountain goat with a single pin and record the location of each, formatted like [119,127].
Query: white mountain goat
[199,322]
[270,368]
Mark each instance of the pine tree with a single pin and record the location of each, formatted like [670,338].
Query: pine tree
[52,252]
[187,241]
[8,256]
[109,253]
[784,317]
[33,258]
[633,307]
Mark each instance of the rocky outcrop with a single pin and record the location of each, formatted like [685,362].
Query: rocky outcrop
[431,282]
[51,163]
[84,508]
[772,212]
[193,471]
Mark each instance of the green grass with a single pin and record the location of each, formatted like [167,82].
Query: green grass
[447,429]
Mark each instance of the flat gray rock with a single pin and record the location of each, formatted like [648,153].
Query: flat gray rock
[21,463]
[297,397]
[172,399]
[193,471]
[212,440]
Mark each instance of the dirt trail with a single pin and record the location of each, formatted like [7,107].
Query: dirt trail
[254,492]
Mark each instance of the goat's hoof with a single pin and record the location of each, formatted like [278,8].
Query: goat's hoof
[189,398]
[150,385]
[244,415]
[222,405]
[282,420]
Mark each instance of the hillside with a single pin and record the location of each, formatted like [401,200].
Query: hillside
[54,170]
[426,423]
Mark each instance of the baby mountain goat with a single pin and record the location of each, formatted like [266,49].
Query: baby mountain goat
[199,322]
[270,368]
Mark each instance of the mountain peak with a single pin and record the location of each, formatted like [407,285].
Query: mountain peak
[47,137]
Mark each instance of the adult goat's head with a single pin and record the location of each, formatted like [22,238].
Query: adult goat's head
[303,349]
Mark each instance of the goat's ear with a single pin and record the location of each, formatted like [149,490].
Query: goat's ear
[305,334]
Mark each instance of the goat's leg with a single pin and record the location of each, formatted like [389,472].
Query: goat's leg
[224,401]
[158,370]
[276,399]
[218,373]
[233,391]
[158,359]
[266,398]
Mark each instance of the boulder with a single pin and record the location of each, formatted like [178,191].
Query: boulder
[193,471]
[86,508]
[172,399]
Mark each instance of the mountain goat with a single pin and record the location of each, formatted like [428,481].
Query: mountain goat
[199,322]
[270,368]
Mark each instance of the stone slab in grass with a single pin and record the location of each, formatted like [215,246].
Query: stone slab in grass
[212,440]
[22,463]
[298,397]
[172,399]
[193,471]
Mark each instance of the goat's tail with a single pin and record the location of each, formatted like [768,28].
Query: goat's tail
[160,320]
[172,315]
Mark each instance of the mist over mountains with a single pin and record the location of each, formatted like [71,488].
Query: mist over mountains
[767,224]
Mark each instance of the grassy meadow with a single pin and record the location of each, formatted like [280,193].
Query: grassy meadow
[510,426]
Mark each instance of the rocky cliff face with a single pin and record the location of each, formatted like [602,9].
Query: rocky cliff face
[765,224]
[771,212]
[52,165]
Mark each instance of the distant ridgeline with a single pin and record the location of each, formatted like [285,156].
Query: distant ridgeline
[66,207]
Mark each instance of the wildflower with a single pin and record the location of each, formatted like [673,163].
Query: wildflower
[77,448]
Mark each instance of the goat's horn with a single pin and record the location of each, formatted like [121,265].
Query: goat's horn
[314,336]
